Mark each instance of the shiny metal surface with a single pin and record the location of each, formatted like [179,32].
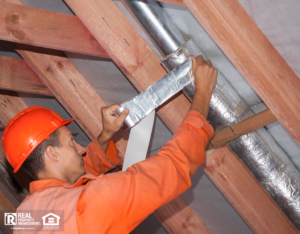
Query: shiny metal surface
[269,165]
[164,33]
[281,180]
[141,105]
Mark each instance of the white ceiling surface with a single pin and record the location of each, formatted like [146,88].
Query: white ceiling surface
[279,20]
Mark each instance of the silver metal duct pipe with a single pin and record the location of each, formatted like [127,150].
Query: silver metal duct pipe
[260,153]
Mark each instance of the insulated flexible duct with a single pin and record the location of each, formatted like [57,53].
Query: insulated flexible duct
[259,152]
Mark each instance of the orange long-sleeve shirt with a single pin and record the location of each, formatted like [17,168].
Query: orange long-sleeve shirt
[118,202]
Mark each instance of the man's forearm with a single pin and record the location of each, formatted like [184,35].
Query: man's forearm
[201,102]
[104,140]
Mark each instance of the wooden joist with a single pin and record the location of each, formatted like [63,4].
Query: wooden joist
[5,205]
[249,125]
[245,194]
[133,56]
[48,29]
[10,105]
[254,56]
[2,126]
[16,75]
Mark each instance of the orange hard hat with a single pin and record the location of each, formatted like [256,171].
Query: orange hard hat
[26,131]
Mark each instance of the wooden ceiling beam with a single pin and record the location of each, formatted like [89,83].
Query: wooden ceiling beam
[10,105]
[47,29]
[143,68]
[16,75]
[245,194]
[249,125]
[2,126]
[254,56]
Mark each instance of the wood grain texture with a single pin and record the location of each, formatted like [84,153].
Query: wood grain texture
[16,75]
[249,125]
[245,194]
[174,2]
[5,205]
[254,56]
[48,29]
[10,105]
[133,56]
[171,218]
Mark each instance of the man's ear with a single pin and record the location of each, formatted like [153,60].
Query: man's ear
[52,154]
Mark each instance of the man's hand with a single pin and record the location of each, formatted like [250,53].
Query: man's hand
[111,124]
[205,79]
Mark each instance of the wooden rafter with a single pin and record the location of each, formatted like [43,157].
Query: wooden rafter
[142,67]
[138,62]
[5,205]
[16,75]
[245,194]
[48,29]
[254,56]
[249,125]
[10,105]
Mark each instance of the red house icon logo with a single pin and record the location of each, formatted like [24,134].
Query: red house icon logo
[51,219]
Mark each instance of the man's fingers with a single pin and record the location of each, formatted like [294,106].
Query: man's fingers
[209,62]
[111,109]
[122,116]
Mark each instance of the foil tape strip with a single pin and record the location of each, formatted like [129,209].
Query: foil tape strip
[147,101]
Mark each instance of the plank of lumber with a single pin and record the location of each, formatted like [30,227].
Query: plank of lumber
[16,75]
[48,29]
[175,210]
[10,105]
[245,194]
[5,205]
[249,125]
[133,56]
[2,126]
[254,56]
[174,2]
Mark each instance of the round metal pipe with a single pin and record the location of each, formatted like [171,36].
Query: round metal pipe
[159,27]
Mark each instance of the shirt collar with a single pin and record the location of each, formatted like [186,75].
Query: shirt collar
[40,185]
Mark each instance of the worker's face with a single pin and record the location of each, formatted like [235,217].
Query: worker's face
[71,161]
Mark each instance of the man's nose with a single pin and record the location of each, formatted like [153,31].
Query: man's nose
[80,149]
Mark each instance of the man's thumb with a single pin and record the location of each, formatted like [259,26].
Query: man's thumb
[123,116]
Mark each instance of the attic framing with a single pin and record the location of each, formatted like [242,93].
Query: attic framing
[122,44]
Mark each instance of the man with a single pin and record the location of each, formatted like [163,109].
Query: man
[116,202]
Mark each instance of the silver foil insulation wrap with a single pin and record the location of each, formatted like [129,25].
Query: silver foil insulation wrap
[268,163]
[147,101]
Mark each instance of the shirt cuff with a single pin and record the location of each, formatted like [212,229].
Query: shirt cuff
[197,120]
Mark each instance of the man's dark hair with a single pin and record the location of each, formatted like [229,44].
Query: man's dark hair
[35,162]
